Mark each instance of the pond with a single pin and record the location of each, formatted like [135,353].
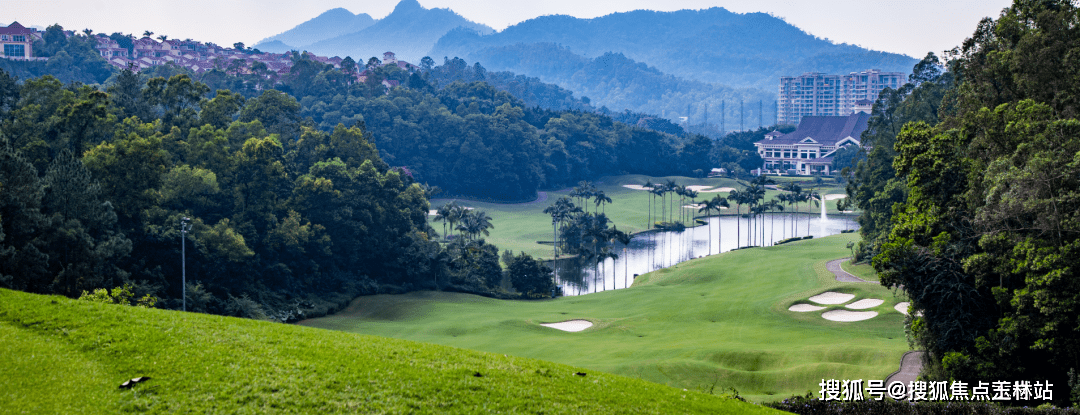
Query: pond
[661,249]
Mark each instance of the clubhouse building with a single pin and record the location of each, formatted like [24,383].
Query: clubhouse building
[808,150]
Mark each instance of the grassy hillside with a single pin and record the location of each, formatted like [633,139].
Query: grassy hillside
[711,323]
[519,226]
[65,356]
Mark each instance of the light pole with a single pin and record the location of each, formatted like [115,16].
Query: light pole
[185,226]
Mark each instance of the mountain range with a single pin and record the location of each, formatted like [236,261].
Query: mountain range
[409,31]
[332,23]
[712,45]
[687,63]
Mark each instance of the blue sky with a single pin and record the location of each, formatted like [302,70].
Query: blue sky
[911,27]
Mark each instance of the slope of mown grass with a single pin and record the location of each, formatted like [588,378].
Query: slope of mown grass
[65,356]
[519,226]
[862,270]
[711,323]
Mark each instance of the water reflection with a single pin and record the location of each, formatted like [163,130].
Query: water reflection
[655,250]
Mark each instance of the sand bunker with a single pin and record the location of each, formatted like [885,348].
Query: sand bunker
[802,308]
[697,188]
[865,303]
[830,297]
[844,315]
[434,212]
[636,187]
[835,196]
[902,307]
[570,325]
[718,190]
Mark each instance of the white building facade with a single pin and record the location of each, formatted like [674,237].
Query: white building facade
[808,150]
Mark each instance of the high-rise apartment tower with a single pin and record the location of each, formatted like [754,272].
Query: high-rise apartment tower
[815,93]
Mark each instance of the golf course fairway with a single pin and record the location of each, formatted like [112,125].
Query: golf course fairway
[709,324]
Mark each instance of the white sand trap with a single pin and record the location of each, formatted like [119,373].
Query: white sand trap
[835,196]
[802,308]
[697,188]
[902,307]
[844,315]
[434,212]
[830,297]
[636,187]
[718,190]
[696,207]
[570,325]
[865,303]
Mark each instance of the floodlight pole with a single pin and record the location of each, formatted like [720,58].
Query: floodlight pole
[184,227]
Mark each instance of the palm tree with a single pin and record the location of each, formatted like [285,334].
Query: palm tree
[476,223]
[738,197]
[560,212]
[148,33]
[442,214]
[775,204]
[163,37]
[708,207]
[681,192]
[612,235]
[796,197]
[623,238]
[783,198]
[810,196]
[693,196]
[719,202]
[584,190]
[456,214]
[601,199]
[648,187]
[658,190]
[670,187]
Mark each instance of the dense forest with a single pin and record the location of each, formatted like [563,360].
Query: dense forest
[970,193]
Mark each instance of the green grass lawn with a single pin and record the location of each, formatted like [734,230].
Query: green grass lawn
[711,323]
[519,226]
[66,356]
[862,270]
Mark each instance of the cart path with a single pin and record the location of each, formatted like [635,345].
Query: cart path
[910,366]
[841,275]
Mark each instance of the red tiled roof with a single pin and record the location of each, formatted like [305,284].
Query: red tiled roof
[15,29]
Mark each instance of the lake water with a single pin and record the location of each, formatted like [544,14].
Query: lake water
[655,250]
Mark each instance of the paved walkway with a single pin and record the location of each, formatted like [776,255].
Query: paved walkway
[910,365]
[841,275]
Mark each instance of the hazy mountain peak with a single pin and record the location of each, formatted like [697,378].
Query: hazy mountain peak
[409,31]
[331,23]
[407,6]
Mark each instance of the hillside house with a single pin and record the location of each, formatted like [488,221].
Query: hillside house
[17,42]
[809,148]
